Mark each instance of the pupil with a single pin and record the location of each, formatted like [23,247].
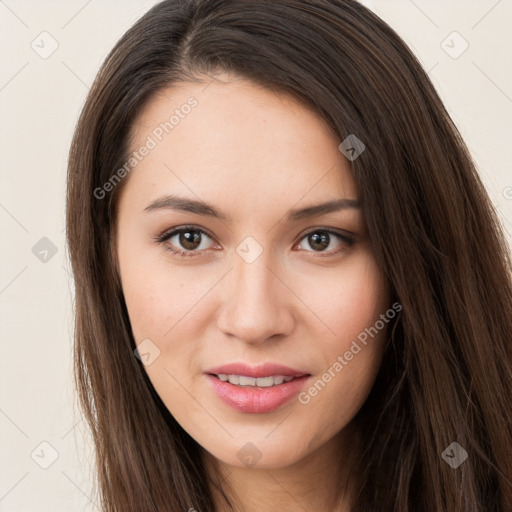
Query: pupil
[189,239]
[322,239]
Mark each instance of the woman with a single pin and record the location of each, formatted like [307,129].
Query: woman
[292,291]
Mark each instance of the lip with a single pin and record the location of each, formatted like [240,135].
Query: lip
[254,399]
[262,370]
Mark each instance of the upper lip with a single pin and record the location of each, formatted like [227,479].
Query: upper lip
[261,370]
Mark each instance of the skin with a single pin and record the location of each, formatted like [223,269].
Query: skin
[253,154]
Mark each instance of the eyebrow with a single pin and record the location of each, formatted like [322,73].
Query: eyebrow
[173,202]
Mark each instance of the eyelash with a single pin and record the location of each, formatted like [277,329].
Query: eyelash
[164,237]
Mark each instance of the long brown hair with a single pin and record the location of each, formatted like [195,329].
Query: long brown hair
[447,373]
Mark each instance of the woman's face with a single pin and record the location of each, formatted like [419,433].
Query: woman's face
[267,283]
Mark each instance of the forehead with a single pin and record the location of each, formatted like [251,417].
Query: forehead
[235,141]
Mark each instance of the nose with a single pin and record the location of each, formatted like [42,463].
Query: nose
[257,304]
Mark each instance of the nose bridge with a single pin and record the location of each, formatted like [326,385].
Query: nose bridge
[254,280]
[256,303]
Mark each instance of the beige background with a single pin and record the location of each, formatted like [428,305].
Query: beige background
[40,99]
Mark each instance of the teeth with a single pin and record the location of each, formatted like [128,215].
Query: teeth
[262,382]
[278,379]
[244,381]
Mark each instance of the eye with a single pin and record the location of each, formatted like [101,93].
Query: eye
[185,241]
[321,239]
[190,241]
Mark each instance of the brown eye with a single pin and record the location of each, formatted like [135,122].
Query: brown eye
[321,239]
[189,239]
[186,241]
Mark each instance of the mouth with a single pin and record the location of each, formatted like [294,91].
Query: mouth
[254,382]
[248,371]
[256,390]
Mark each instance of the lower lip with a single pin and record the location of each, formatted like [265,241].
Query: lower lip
[254,399]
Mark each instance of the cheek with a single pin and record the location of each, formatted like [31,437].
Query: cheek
[347,300]
[169,306]
[158,295]
[351,306]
